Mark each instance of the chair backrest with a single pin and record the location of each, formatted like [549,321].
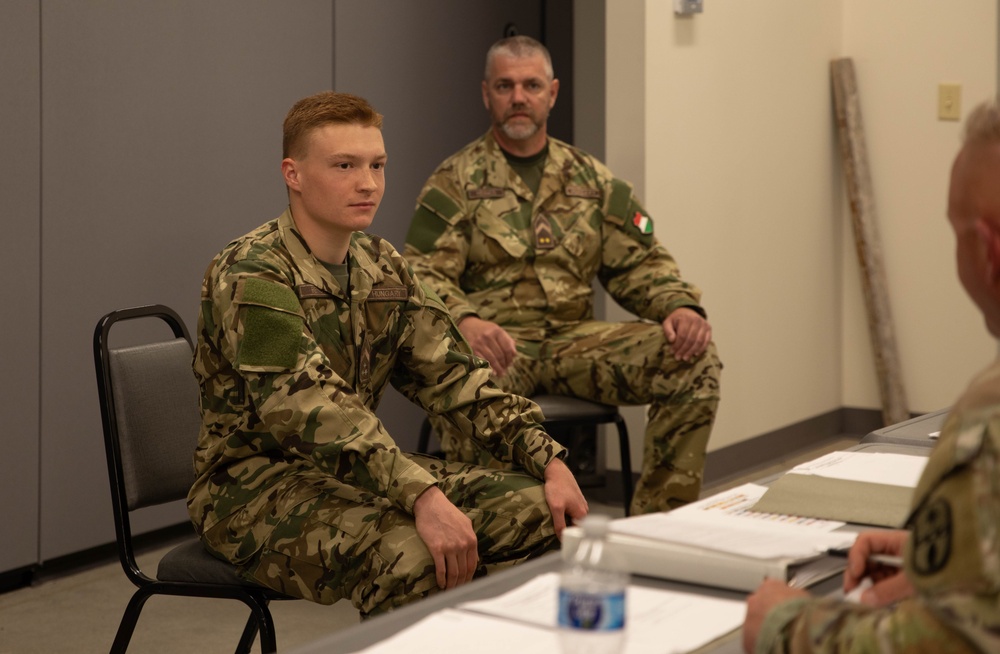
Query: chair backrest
[149,406]
[156,409]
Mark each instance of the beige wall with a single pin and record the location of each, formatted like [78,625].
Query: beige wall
[940,335]
[724,122]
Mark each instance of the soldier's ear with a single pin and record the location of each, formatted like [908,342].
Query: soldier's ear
[290,171]
[486,95]
[989,237]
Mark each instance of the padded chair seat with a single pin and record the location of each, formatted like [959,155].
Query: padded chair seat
[560,407]
[190,562]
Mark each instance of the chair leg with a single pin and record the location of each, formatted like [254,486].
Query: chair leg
[129,619]
[249,635]
[424,442]
[626,456]
[261,621]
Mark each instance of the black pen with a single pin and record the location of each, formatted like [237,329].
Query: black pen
[888,560]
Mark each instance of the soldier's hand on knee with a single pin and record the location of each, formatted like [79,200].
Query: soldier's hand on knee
[449,537]
[687,332]
[563,495]
[489,341]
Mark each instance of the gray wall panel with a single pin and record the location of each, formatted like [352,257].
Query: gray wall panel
[19,188]
[161,142]
[424,76]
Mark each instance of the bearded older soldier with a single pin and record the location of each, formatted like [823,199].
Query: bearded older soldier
[303,323]
[511,232]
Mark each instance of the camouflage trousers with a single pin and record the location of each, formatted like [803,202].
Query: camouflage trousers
[622,364]
[330,548]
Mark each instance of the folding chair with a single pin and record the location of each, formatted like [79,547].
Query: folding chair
[149,407]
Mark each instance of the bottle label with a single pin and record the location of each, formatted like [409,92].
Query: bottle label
[603,612]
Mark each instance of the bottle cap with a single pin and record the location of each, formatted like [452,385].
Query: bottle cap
[595,525]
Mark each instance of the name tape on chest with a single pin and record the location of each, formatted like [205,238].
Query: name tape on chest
[309,291]
[485,193]
[577,191]
[389,294]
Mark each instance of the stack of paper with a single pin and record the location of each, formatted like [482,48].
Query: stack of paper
[720,542]
[871,488]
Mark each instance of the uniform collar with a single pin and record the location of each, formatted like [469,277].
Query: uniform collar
[363,268]
[558,165]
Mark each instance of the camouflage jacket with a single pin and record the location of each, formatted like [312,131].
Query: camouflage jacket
[490,247]
[952,558]
[292,366]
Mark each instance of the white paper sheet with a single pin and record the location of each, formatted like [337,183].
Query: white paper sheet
[875,467]
[460,632]
[660,621]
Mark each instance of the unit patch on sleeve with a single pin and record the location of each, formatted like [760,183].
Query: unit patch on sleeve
[932,533]
[578,191]
[643,223]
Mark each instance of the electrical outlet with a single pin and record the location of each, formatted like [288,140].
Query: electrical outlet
[687,7]
[949,101]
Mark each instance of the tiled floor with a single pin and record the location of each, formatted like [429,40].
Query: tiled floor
[80,612]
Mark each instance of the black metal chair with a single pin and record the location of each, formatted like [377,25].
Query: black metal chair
[571,411]
[149,407]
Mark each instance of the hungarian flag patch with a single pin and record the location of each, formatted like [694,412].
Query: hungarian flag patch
[642,223]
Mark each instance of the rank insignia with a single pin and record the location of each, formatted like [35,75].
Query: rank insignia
[544,240]
[642,223]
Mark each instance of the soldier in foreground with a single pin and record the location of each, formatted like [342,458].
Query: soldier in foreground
[511,232]
[947,598]
[303,323]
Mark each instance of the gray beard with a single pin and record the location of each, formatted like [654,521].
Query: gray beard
[519,132]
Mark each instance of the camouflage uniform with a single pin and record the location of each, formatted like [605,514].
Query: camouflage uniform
[490,247]
[952,558]
[297,480]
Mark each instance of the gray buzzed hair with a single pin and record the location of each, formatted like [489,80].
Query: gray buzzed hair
[518,47]
[983,124]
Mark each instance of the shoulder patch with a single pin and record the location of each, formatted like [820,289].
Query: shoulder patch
[434,213]
[931,538]
[262,292]
[619,201]
[272,322]
[624,211]
[438,202]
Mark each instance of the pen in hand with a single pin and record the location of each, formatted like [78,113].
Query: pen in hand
[888,560]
